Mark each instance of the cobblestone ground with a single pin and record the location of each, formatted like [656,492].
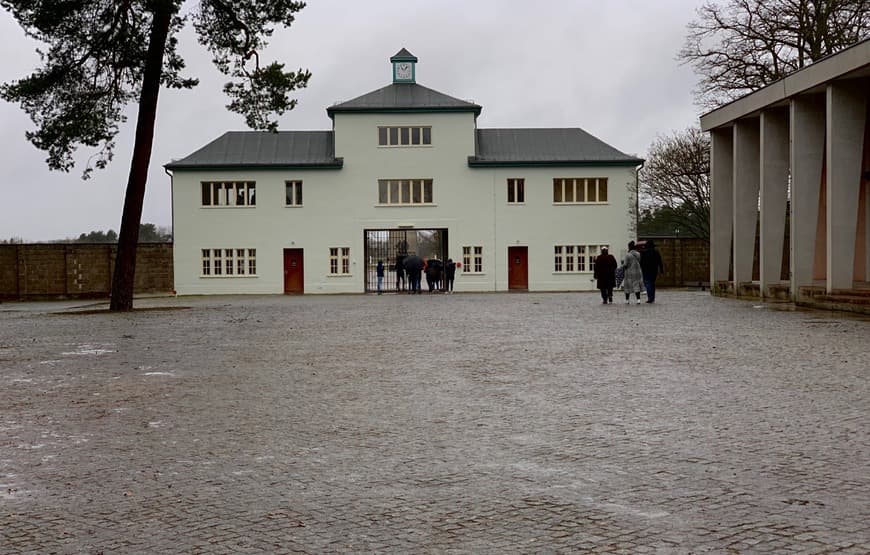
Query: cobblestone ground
[444,424]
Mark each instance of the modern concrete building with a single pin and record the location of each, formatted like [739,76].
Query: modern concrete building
[404,170]
[796,151]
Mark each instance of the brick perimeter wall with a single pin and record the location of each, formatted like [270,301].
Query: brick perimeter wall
[76,270]
[686,261]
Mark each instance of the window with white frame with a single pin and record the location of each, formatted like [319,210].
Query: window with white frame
[229,193]
[229,262]
[575,258]
[405,192]
[580,190]
[293,193]
[472,260]
[516,193]
[405,136]
[339,261]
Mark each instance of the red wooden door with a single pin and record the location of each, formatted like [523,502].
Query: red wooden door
[518,268]
[293,275]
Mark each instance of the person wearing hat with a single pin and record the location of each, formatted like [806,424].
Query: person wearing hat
[605,273]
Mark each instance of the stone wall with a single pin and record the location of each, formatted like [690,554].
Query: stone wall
[76,270]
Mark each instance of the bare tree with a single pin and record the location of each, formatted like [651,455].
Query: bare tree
[677,176]
[739,46]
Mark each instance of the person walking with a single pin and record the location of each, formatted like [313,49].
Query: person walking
[380,273]
[633,280]
[651,266]
[449,276]
[605,273]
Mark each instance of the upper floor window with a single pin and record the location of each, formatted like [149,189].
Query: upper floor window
[229,193]
[579,190]
[405,191]
[516,191]
[293,193]
[405,136]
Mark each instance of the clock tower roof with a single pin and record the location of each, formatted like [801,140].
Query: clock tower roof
[404,56]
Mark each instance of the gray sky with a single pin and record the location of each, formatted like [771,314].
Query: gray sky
[605,66]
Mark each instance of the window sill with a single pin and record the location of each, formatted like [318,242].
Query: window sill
[474,273]
[293,206]
[404,146]
[225,206]
[516,204]
[416,205]
[580,203]
[339,275]
[580,273]
[223,276]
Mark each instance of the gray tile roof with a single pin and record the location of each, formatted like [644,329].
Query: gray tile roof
[545,147]
[404,97]
[264,149]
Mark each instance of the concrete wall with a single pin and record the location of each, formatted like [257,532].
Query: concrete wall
[74,270]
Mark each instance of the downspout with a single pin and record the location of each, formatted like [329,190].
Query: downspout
[637,199]
[172,222]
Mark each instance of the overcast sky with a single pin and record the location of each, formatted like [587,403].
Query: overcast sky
[605,66]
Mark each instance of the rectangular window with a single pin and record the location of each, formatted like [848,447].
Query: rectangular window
[472,260]
[228,258]
[229,262]
[339,261]
[405,136]
[580,190]
[293,193]
[516,193]
[228,193]
[405,191]
[575,258]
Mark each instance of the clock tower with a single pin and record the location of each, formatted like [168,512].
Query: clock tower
[404,67]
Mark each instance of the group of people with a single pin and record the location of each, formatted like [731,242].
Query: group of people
[638,272]
[439,275]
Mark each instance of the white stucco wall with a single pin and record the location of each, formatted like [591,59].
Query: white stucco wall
[338,205]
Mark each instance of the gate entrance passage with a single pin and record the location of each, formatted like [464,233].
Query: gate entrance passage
[392,246]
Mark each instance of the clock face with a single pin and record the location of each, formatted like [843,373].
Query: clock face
[403,71]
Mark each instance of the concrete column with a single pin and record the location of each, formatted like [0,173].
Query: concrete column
[774,192]
[747,172]
[846,113]
[807,152]
[722,202]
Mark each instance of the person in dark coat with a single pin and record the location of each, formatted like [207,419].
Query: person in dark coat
[379,270]
[400,273]
[605,273]
[651,266]
[449,275]
[414,268]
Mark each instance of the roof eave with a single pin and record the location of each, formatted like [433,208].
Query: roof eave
[336,165]
[425,110]
[477,163]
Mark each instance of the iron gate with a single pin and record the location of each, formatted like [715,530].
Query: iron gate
[392,246]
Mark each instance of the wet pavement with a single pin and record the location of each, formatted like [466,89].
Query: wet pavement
[469,423]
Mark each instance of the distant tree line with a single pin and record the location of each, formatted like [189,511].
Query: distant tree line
[148,233]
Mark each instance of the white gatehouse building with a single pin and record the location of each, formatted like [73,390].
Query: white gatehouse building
[404,170]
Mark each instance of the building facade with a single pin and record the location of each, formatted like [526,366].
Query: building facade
[795,153]
[404,170]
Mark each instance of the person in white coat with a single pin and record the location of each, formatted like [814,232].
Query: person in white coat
[633,280]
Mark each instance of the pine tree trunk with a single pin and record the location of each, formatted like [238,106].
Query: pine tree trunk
[123,279]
